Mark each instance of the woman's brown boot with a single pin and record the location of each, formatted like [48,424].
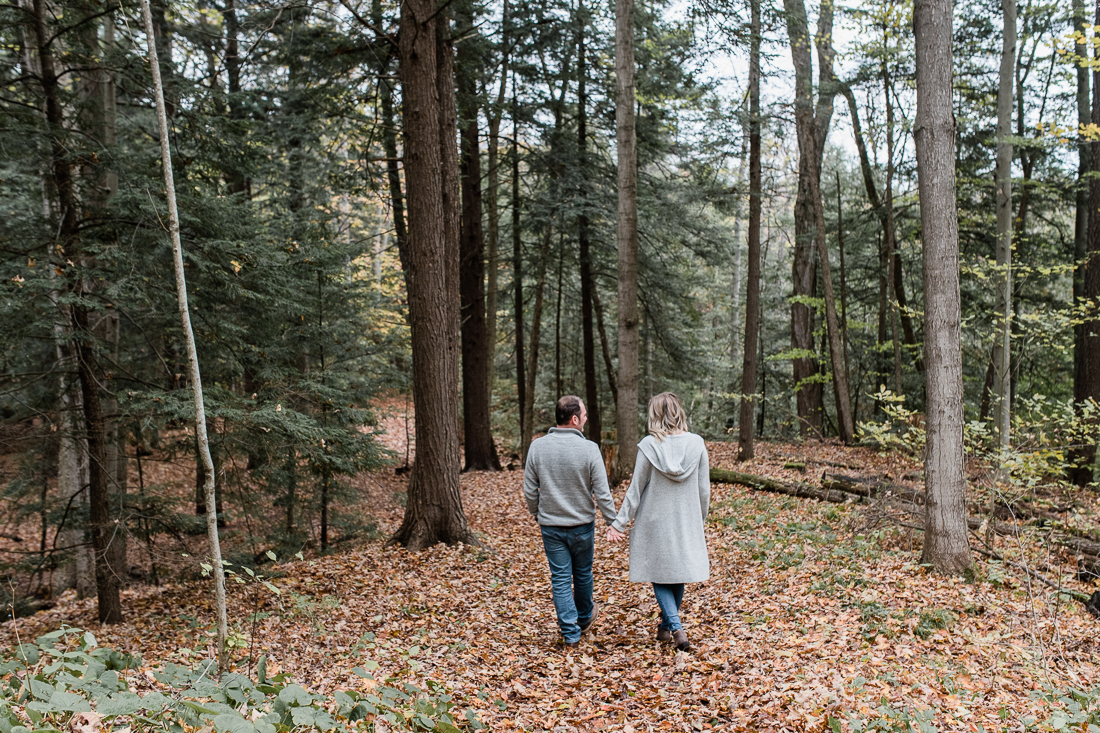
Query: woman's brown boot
[680,639]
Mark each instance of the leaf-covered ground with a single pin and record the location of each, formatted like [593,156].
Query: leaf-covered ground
[810,613]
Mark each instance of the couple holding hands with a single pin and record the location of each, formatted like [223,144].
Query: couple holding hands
[564,482]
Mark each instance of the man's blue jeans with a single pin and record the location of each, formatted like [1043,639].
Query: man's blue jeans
[669,596]
[569,550]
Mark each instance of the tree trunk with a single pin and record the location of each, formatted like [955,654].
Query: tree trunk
[1086,377]
[492,186]
[605,345]
[745,442]
[189,339]
[811,127]
[481,453]
[876,204]
[843,288]
[945,538]
[434,509]
[588,285]
[389,147]
[1002,377]
[559,384]
[68,229]
[626,422]
[735,284]
[888,230]
[536,336]
[517,284]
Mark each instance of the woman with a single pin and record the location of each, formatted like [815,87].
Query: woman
[668,500]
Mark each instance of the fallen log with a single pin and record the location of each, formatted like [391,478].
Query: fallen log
[1080,546]
[870,487]
[763,483]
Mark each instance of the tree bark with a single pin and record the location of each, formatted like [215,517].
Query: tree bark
[481,453]
[811,127]
[889,231]
[945,539]
[517,284]
[736,275]
[1002,377]
[536,336]
[588,284]
[434,510]
[189,339]
[492,187]
[626,422]
[605,345]
[876,204]
[1086,382]
[389,147]
[68,242]
[746,423]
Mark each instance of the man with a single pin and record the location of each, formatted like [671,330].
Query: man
[563,482]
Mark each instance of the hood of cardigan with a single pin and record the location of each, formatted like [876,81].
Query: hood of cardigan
[677,456]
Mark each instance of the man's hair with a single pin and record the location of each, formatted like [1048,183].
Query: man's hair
[666,415]
[567,407]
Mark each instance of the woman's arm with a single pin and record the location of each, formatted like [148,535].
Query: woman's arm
[704,483]
[638,484]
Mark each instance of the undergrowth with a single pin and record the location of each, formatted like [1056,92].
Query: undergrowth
[44,685]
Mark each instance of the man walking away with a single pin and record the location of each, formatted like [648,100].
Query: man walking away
[563,482]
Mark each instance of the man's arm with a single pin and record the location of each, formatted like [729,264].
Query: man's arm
[531,485]
[601,492]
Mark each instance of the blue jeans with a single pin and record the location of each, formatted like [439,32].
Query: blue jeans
[669,596]
[569,550]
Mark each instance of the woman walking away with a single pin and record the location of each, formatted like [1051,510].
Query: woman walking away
[668,500]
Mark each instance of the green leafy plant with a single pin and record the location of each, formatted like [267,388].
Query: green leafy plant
[63,673]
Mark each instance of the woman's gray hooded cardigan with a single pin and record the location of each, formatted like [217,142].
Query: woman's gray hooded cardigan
[668,500]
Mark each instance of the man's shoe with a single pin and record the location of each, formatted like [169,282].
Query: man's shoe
[680,639]
[595,615]
[571,644]
[663,634]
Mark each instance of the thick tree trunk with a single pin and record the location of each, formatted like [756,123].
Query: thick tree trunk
[434,509]
[626,423]
[68,228]
[481,453]
[812,127]
[745,442]
[945,538]
[1002,377]
[100,526]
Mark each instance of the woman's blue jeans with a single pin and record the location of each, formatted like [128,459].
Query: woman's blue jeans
[669,596]
[569,550]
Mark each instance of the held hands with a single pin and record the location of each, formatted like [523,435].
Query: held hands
[613,535]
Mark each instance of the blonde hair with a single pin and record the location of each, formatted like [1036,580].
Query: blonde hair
[666,416]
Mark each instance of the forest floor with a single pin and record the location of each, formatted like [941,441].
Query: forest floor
[816,617]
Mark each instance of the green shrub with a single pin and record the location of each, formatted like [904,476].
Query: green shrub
[42,685]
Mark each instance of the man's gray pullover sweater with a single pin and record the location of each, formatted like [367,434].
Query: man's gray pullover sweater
[564,480]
